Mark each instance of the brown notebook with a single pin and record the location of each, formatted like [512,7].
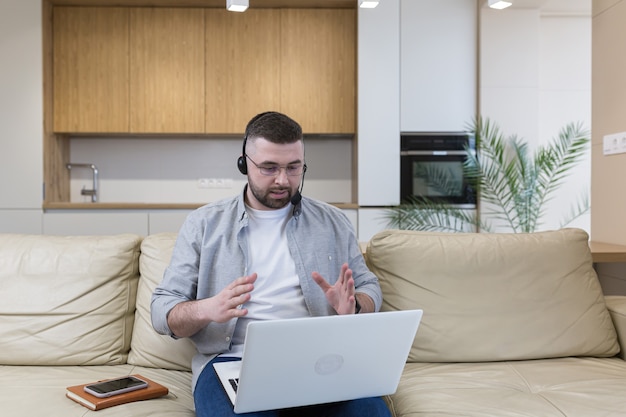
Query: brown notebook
[78,394]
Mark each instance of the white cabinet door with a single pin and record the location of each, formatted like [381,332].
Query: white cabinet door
[167,221]
[438,64]
[379,104]
[371,221]
[20,221]
[353,215]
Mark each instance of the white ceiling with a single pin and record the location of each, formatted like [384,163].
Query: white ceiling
[555,6]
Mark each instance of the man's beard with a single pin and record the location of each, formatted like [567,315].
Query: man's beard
[263,196]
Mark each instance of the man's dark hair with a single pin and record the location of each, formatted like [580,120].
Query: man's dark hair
[274,127]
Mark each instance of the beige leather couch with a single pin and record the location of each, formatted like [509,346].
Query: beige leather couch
[75,310]
[514,325]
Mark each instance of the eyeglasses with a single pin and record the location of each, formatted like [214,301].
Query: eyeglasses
[273,170]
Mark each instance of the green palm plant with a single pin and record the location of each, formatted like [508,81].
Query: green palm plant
[514,184]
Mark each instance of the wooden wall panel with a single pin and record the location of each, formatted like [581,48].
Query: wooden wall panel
[608,196]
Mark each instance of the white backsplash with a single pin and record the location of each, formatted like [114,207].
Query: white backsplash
[167,170]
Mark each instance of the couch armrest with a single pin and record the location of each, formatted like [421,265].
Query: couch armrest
[617,307]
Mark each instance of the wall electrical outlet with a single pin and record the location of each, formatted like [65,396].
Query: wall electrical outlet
[224,183]
[215,182]
[614,143]
[204,183]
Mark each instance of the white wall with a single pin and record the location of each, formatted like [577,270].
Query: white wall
[535,77]
[21,116]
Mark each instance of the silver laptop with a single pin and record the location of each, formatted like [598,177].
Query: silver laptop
[315,360]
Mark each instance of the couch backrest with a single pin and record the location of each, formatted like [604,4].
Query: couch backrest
[489,297]
[148,348]
[67,300]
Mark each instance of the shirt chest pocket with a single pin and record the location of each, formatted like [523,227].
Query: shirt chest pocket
[329,265]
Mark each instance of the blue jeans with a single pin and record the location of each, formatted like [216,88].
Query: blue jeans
[211,401]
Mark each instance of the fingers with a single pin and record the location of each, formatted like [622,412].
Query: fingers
[341,295]
[246,281]
[342,274]
[319,280]
[241,288]
[349,280]
[345,281]
[228,303]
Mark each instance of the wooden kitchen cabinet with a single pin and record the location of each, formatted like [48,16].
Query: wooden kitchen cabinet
[167,70]
[185,69]
[318,68]
[202,70]
[128,70]
[242,67]
[298,61]
[90,69]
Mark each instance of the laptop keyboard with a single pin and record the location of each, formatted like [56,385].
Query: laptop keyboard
[234,382]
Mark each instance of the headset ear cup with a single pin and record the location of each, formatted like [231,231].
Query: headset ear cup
[242,165]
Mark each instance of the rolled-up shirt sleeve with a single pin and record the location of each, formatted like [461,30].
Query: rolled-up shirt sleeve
[180,280]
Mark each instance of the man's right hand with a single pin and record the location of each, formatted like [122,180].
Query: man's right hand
[188,317]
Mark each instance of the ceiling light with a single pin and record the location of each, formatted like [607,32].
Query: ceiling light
[237,5]
[368,4]
[499,4]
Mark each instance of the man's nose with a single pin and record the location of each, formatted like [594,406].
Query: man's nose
[282,177]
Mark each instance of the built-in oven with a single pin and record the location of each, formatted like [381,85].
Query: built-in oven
[432,168]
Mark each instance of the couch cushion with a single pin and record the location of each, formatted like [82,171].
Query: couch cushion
[33,391]
[489,297]
[572,387]
[67,300]
[148,348]
[617,308]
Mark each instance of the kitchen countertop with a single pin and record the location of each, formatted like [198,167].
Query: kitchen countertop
[607,252]
[146,206]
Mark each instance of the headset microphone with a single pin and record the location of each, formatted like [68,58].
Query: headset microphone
[297,197]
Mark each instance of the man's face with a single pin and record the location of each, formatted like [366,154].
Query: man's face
[272,192]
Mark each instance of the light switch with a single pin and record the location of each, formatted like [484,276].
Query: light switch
[614,143]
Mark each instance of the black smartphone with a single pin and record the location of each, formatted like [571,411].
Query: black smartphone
[115,386]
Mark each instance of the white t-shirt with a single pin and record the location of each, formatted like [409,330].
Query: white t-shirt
[277,293]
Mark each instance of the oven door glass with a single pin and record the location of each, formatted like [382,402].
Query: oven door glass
[438,178]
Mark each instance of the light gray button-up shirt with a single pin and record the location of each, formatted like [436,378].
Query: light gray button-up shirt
[211,252]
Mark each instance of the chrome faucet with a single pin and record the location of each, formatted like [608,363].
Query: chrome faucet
[94,191]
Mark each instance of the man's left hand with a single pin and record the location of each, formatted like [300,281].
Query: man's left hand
[341,295]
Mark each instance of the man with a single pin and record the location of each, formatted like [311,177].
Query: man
[266,254]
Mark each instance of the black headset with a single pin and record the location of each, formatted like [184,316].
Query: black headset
[242,164]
